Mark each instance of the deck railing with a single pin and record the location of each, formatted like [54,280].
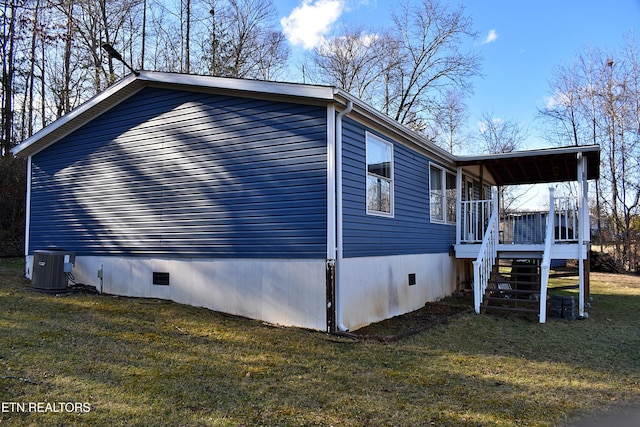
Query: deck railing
[522,227]
[565,215]
[531,227]
[474,217]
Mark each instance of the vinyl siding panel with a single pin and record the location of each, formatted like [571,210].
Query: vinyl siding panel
[409,231]
[187,174]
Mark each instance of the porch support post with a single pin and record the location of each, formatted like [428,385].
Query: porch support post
[583,228]
[587,234]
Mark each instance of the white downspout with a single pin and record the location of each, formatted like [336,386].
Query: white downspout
[27,222]
[331,183]
[340,326]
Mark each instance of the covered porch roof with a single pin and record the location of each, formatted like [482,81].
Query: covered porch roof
[537,166]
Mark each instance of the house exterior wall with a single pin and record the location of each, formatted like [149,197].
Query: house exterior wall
[172,173]
[226,194]
[410,230]
[381,252]
[238,199]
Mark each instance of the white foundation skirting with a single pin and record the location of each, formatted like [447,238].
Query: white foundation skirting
[377,288]
[286,292]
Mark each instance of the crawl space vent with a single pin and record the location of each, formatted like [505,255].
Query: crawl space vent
[161,279]
[412,279]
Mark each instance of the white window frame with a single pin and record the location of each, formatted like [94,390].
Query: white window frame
[369,136]
[441,193]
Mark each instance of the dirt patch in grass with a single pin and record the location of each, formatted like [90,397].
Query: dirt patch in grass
[398,327]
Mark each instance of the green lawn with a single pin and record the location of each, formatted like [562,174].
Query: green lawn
[153,363]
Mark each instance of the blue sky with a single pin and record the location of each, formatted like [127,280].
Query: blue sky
[522,42]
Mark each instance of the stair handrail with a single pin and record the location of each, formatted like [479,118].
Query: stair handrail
[483,265]
[545,266]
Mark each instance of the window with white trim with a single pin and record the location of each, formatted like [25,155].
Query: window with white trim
[442,195]
[379,176]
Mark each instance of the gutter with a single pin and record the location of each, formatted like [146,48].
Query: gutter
[338,271]
[400,132]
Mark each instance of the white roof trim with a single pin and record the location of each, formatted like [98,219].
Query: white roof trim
[77,117]
[397,128]
[131,84]
[243,85]
[530,153]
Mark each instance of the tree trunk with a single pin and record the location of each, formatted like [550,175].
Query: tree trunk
[144,33]
[31,81]
[187,59]
[65,102]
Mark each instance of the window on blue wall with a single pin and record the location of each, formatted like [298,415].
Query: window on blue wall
[379,176]
[442,195]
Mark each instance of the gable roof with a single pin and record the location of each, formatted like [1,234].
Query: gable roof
[132,84]
[549,165]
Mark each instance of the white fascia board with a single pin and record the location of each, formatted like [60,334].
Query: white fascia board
[419,140]
[532,153]
[122,90]
[325,93]
[77,117]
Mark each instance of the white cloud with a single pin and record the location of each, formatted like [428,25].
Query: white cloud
[483,126]
[308,23]
[558,100]
[344,45]
[491,36]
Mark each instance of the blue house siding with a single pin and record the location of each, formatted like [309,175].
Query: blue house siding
[181,173]
[410,230]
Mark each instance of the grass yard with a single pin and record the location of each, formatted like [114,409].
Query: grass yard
[139,362]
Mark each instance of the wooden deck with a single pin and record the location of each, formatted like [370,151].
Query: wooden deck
[558,250]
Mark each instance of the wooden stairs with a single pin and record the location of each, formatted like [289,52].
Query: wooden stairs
[514,286]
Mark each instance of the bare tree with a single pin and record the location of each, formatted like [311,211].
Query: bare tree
[65,96]
[187,36]
[499,135]
[355,60]
[496,136]
[7,48]
[572,110]
[26,128]
[272,57]
[406,70]
[562,111]
[449,121]
[252,39]
[234,38]
[52,60]
[605,100]
[430,37]
[620,119]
